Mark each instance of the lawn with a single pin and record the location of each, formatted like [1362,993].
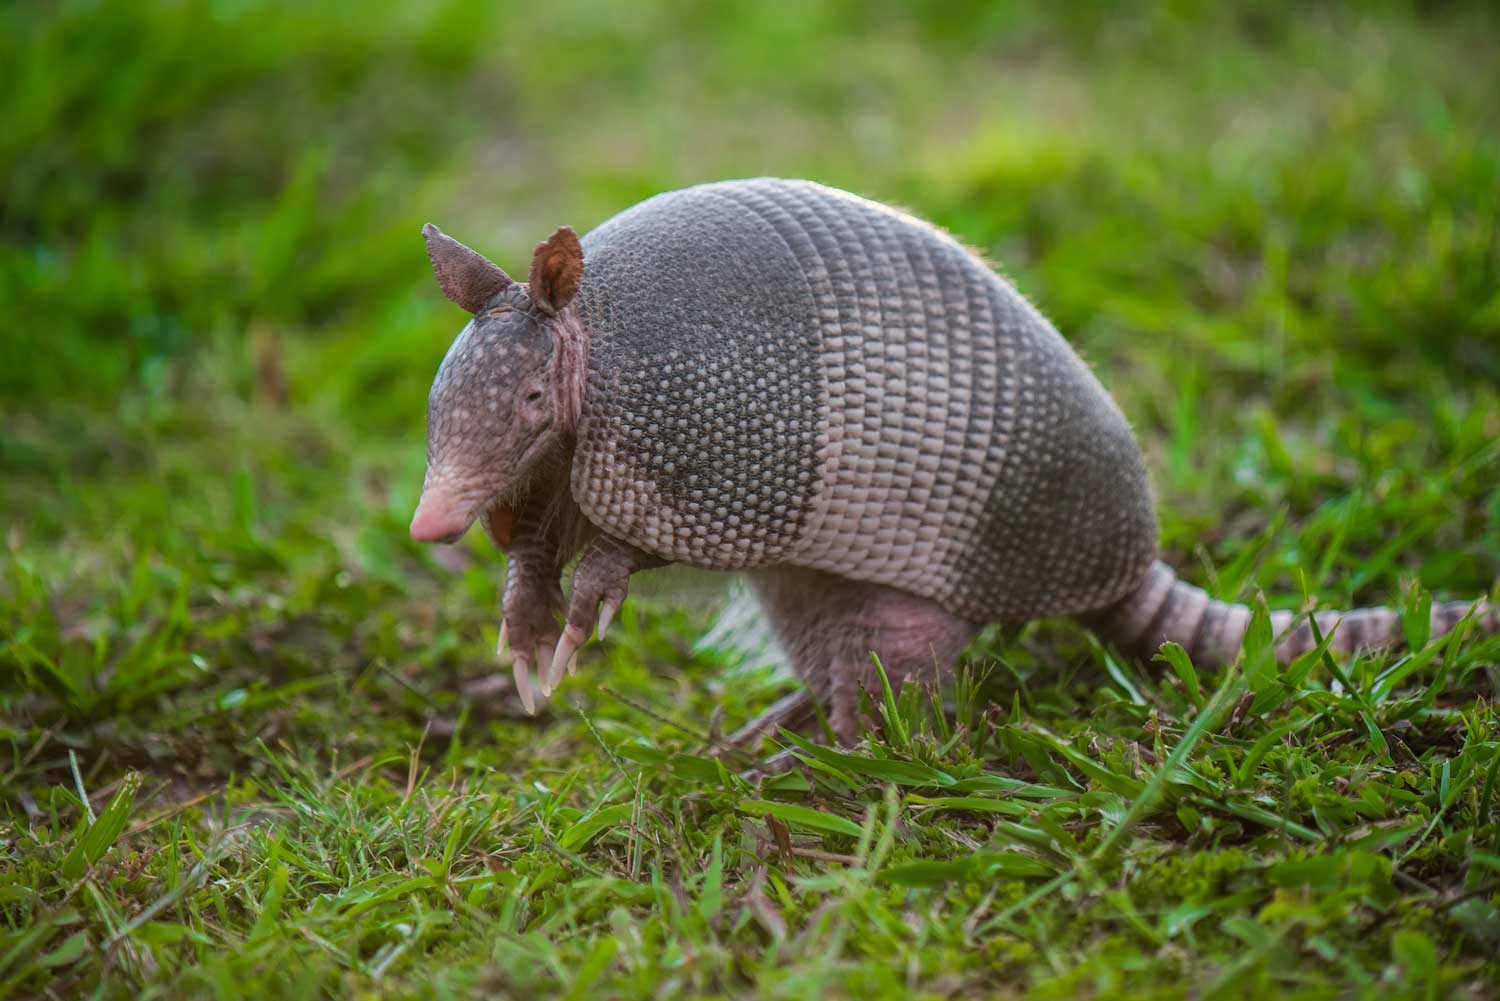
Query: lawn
[256,743]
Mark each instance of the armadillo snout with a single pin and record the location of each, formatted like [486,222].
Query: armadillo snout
[437,520]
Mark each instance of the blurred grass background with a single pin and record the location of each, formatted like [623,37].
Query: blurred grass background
[1273,228]
[210,210]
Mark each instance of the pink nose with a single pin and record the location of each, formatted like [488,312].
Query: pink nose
[436,521]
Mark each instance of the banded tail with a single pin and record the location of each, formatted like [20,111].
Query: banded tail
[1164,608]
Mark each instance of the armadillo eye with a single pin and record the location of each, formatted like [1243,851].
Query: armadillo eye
[535,396]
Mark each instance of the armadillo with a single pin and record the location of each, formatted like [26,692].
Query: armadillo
[824,393]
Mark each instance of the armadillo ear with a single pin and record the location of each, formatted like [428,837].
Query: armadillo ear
[466,276]
[556,269]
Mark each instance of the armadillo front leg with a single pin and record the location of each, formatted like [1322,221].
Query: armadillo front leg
[600,584]
[532,604]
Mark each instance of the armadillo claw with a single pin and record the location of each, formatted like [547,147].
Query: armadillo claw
[566,657]
[607,615]
[500,643]
[521,668]
[544,672]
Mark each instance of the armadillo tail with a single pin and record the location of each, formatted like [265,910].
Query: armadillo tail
[1163,609]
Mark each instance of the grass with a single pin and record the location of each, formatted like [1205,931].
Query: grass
[251,741]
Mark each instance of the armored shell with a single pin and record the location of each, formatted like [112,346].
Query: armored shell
[785,373]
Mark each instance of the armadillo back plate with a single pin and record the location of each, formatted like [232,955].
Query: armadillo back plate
[781,372]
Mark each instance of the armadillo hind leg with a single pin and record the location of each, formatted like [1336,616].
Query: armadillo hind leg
[828,626]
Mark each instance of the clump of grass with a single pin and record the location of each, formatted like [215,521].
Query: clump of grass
[253,744]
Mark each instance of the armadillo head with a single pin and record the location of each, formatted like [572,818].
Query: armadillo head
[505,401]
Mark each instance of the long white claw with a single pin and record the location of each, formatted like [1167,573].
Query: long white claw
[606,616]
[544,660]
[566,654]
[522,671]
[500,643]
